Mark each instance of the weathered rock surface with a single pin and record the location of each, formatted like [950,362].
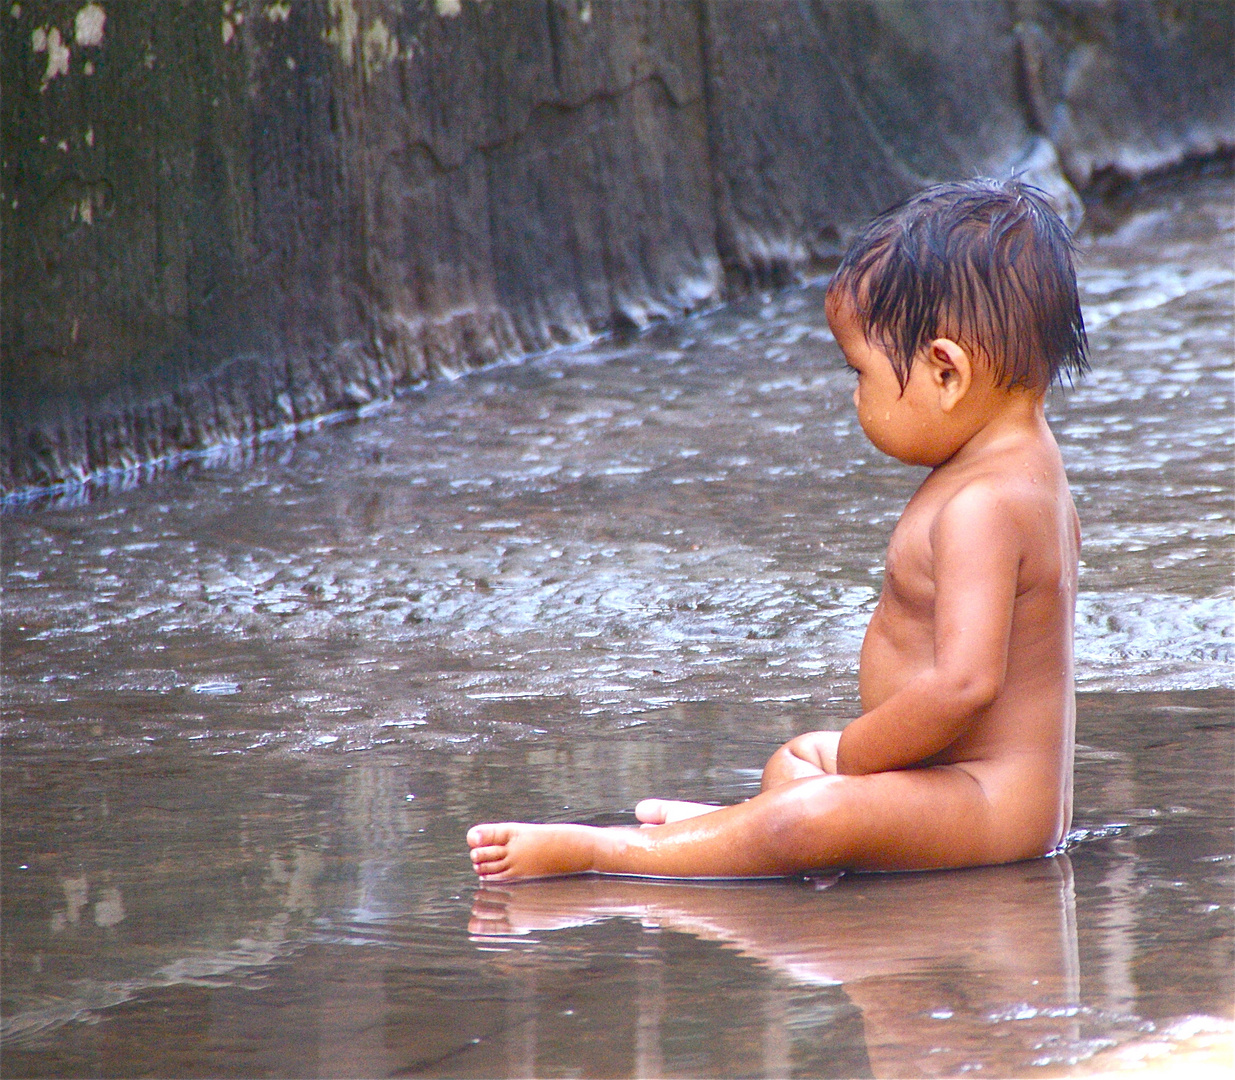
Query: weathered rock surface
[227,218]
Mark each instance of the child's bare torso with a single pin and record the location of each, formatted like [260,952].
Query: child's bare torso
[1019,747]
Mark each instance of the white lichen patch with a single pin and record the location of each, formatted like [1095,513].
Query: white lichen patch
[231,20]
[449,9]
[89,136]
[88,26]
[378,47]
[345,30]
[48,40]
[88,206]
[278,12]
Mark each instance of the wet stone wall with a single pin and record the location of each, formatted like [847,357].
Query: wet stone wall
[228,220]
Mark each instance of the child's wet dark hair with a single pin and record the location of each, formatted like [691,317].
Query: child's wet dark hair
[986,263]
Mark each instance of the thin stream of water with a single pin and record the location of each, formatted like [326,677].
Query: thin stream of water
[249,713]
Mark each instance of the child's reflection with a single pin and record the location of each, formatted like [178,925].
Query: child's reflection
[944,966]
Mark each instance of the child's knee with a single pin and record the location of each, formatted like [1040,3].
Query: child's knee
[785,765]
[811,814]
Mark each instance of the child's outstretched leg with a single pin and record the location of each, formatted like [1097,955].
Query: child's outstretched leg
[914,819]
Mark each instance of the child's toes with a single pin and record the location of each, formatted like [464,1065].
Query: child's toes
[488,835]
[484,855]
[650,811]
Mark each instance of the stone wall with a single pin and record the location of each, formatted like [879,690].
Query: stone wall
[225,219]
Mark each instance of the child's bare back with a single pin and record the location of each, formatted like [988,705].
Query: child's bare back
[963,752]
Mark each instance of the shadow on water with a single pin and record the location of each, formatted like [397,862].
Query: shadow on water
[249,715]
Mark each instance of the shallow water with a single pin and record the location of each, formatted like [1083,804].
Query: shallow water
[250,712]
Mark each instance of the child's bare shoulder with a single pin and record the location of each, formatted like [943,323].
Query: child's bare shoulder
[1016,499]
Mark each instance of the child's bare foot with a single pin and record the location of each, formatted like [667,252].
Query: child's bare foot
[510,850]
[663,811]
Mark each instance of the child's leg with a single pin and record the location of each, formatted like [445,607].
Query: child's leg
[913,819]
[812,754]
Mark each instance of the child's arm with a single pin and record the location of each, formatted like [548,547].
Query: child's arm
[976,544]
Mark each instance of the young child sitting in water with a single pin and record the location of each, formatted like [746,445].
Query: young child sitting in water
[956,311]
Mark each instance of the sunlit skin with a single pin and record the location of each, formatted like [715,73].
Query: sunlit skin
[963,752]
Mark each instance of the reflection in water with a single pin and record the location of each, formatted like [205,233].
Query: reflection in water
[248,716]
[309,918]
[926,959]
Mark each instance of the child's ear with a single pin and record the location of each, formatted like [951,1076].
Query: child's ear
[951,371]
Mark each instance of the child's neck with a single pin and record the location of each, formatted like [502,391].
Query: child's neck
[1003,415]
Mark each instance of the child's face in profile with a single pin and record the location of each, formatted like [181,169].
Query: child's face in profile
[897,422]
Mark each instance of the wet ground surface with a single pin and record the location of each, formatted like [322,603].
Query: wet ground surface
[249,713]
